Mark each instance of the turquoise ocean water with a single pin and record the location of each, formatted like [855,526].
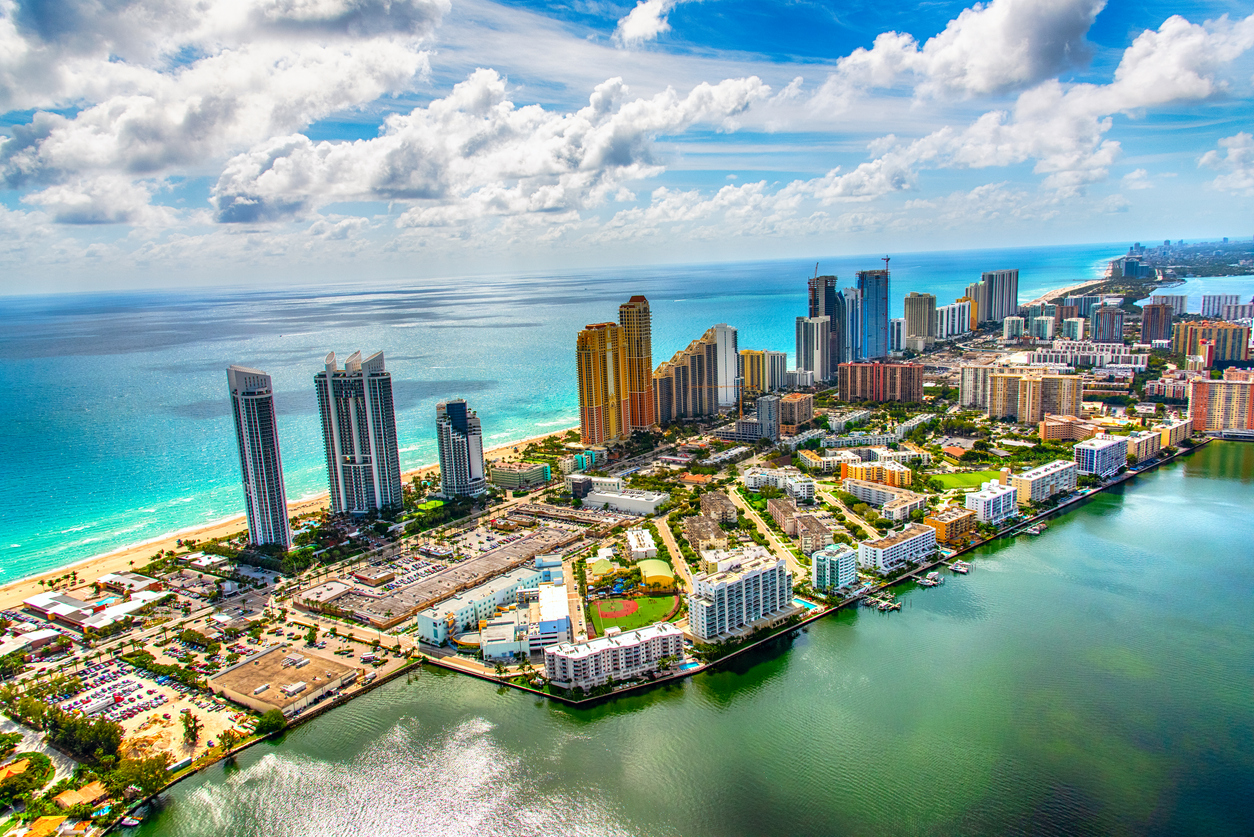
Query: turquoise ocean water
[119,426]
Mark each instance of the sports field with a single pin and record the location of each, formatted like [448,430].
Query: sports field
[630,613]
[970,480]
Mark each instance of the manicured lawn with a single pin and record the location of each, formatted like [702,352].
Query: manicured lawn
[970,480]
[630,613]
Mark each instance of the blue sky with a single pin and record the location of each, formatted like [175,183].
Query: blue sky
[165,142]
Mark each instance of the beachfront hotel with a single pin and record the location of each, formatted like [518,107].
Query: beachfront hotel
[619,655]
[604,409]
[459,438]
[636,323]
[996,295]
[261,466]
[359,434]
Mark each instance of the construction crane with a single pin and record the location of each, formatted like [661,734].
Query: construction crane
[885,260]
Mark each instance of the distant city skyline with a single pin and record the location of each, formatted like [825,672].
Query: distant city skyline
[178,143]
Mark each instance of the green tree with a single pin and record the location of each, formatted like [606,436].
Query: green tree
[191,728]
[272,721]
[149,775]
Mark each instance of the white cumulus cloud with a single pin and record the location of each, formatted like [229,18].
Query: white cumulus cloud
[475,153]
[644,23]
[1237,164]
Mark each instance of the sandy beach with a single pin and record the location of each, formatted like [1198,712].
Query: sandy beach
[89,569]
[1064,291]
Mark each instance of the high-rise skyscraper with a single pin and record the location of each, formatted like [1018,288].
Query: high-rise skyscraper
[459,438]
[851,345]
[637,333]
[1156,322]
[1106,324]
[257,434]
[728,352]
[359,434]
[753,372]
[813,347]
[996,295]
[776,370]
[686,386]
[604,409]
[826,300]
[873,290]
[920,315]
[1213,304]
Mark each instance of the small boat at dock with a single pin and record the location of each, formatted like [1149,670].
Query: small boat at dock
[961,567]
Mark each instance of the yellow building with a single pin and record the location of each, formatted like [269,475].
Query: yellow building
[753,372]
[1028,397]
[1231,341]
[656,574]
[951,524]
[975,310]
[604,409]
[885,473]
[636,324]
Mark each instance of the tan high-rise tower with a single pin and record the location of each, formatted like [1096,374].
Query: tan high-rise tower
[604,409]
[636,324]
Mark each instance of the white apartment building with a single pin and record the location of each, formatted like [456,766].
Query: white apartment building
[788,480]
[993,503]
[618,655]
[1085,353]
[1101,457]
[1044,481]
[896,504]
[834,567]
[540,618]
[914,544]
[973,386]
[1143,444]
[745,593]
[953,320]
[1011,328]
[640,544]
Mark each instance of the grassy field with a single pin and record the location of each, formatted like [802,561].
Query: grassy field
[971,480]
[648,609]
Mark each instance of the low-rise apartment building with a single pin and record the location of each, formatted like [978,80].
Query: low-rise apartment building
[912,545]
[885,472]
[993,503]
[745,594]
[1045,481]
[952,524]
[703,532]
[619,655]
[811,532]
[717,505]
[1101,457]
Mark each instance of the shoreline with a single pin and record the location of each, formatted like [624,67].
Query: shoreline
[13,593]
[820,613]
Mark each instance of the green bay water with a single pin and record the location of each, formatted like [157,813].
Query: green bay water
[1096,680]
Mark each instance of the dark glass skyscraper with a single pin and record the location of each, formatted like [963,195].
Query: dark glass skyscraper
[359,434]
[826,300]
[257,434]
[873,287]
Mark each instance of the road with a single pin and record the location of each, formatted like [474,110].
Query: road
[780,549]
[677,555]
